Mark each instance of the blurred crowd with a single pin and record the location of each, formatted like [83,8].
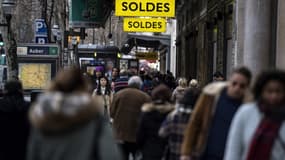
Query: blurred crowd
[149,116]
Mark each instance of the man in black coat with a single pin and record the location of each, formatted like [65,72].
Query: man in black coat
[13,122]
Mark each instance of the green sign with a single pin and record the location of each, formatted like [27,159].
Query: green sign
[88,13]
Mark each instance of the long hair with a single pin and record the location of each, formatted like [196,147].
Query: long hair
[108,90]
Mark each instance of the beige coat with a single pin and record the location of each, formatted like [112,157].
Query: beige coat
[197,129]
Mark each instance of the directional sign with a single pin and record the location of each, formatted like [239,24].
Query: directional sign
[147,8]
[39,50]
[144,25]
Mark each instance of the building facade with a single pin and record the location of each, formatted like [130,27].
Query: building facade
[204,38]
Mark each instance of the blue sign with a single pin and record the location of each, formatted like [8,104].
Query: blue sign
[41,31]
[38,50]
[41,39]
[40,27]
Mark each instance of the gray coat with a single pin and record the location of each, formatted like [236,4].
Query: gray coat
[65,128]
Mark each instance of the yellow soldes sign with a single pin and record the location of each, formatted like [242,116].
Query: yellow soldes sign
[147,55]
[145,8]
[144,25]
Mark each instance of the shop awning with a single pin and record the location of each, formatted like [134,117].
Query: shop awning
[153,41]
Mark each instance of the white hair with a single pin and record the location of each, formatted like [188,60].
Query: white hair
[135,81]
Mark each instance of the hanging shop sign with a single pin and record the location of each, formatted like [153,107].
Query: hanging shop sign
[87,14]
[146,8]
[147,55]
[144,25]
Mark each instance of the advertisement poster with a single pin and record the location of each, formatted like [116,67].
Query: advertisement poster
[124,64]
[35,75]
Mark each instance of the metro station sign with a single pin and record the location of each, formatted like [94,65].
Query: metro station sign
[145,8]
[144,25]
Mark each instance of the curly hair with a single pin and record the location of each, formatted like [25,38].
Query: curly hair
[264,78]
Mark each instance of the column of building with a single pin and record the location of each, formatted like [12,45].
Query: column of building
[280,51]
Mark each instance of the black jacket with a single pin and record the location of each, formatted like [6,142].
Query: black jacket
[14,127]
[151,145]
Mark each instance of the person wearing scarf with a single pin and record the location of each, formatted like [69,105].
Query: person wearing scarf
[258,129]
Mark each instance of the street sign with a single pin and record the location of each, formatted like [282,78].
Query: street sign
[87,14]
[144,25]
[38,49]
[40,27]
[147,55]
[41,39]
[41,31]
[145,8]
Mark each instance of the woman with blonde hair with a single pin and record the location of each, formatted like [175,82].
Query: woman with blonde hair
[179,91]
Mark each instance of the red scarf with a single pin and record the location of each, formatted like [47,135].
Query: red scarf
[263,140]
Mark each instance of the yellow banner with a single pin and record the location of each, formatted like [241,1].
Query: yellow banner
[147,56]
[145,8]
[144,25]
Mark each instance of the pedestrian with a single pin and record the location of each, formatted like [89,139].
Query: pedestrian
[104,93]
[14,122]
[179,91]
[147,84]
[122,81]
[206,133]
[258,129]
[115,74]
[125,111]
[153,114]
[67,123]
[193,84]
[218,77]
[174,125]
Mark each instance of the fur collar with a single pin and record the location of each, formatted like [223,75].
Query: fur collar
[55,112]
[216,88]
[162,108]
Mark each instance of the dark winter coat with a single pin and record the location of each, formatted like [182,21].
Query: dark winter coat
[125,111]
[68,127]
[151,145]
[14,127]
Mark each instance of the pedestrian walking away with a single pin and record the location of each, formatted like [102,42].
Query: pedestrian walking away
[14,122]
[67,123]
[174,125]
[153,114]
[125,111]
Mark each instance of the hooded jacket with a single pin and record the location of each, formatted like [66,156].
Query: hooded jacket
[148,139]
[66,127]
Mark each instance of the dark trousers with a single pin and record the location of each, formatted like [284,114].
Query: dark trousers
[127,149]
